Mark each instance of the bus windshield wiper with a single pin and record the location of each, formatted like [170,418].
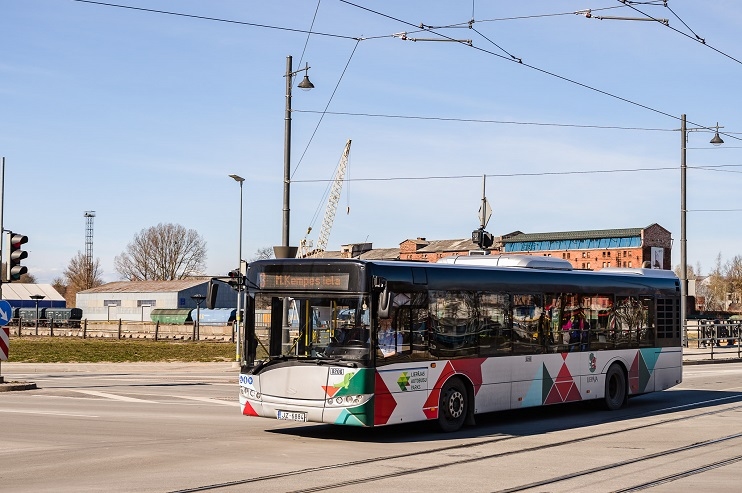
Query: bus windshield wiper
[337,361]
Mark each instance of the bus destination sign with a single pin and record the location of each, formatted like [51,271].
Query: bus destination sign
[331,282]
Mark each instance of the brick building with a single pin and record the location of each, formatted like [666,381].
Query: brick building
[596,249]
[593,249]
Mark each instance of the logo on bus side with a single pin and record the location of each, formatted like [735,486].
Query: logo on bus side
[593,362]
[413,380]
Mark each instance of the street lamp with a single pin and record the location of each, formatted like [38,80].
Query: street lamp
[198,298]
[306,85]
[239,180]
[37,298]
[716,140]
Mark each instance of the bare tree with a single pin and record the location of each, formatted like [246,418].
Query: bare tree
[162,253]
[262,254]
[80,274]
[715,288]
[60,286]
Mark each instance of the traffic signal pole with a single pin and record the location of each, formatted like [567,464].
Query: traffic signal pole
[2,258]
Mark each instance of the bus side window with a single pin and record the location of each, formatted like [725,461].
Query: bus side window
[393,333]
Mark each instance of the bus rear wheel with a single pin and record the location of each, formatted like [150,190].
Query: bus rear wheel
[452,406]
[615,388]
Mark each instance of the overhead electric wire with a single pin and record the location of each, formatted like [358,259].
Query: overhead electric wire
[216,19]
[311,26]
[326,106]
[533,67]
[478,120]
[512,175]
[697,37]
[510,57]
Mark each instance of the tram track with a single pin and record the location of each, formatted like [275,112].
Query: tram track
[684,474]
[470,445]
[615,465]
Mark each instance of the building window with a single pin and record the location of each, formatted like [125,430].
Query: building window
[629,264]
[141,303]
[111,302]
[588,265]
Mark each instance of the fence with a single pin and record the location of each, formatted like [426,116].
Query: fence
[120,329]
[714,339]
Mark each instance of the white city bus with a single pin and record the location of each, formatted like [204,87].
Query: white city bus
[381,342]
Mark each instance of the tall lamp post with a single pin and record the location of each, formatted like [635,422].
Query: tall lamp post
[198,298]
[37,298]
[239,180]
[306,85]
[286,251]
[716,140]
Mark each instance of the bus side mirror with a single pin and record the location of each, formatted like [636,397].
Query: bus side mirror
[384,303]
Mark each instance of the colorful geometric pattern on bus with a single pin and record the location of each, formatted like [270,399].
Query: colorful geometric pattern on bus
[562,388]
[640,373]
[357,416]
[384,402]
[471,368]
[248,410]
[352,383]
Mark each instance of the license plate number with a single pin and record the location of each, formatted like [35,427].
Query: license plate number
[292,416]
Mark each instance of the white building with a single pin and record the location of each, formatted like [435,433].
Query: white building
[19,294]
[134,300]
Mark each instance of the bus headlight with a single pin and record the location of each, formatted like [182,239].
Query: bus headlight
[250,393]
[348,400]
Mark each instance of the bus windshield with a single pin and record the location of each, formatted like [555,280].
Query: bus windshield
[317,327]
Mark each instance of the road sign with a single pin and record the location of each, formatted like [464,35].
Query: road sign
[4,343]
[485,211]
[6,313]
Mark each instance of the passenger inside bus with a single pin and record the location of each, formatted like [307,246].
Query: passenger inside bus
[389,338]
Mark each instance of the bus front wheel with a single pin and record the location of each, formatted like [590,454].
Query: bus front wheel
[615,388]
[452,406]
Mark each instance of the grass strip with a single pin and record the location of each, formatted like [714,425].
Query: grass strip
[74,350]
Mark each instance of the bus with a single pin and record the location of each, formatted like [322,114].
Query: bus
[374,343]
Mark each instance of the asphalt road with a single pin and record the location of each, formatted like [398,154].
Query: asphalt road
[177,427]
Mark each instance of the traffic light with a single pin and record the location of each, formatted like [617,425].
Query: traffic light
[482,238]
[235,279]
[13,268]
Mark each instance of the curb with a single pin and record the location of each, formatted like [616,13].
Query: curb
[12,386]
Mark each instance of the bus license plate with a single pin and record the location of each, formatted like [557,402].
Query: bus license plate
[292,416]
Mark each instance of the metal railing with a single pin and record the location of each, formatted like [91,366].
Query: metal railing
[715,338]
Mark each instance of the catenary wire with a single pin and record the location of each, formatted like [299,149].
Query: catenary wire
[216,19]
[533,67]
[697,38]
[107,4]
[511,175]
[322,115]
[480,120]
[311,26]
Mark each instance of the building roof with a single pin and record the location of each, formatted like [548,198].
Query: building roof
[23,291]
[457,245]
[381,254]
[146,286]
[575,235]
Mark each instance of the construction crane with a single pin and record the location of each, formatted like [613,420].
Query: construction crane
[305,247]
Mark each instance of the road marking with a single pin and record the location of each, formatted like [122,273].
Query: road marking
[48,413]
[207,400]
[113,396]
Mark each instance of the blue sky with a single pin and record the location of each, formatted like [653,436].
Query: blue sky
[141,116]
